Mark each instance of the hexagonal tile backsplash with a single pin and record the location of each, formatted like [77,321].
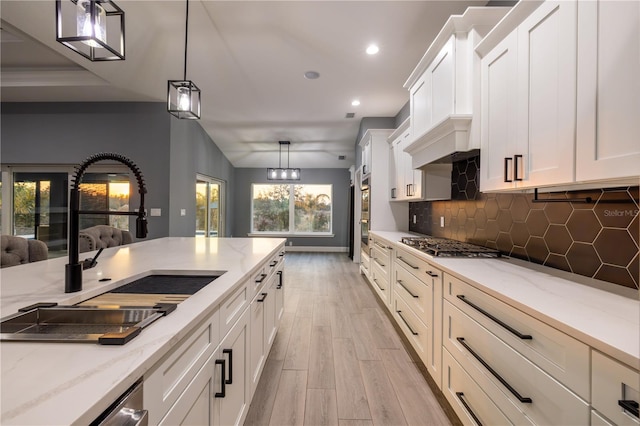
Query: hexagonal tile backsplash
[598,239]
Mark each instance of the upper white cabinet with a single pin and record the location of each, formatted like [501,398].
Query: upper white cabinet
[545,64]
[608,90]
[444,88]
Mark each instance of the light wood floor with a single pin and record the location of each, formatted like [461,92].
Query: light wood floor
[337,360]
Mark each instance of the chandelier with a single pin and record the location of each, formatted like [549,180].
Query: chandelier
[280,173]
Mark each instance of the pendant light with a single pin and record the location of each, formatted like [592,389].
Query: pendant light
[91,28]
[183,96]
[279,173]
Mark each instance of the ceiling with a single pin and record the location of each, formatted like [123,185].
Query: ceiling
[248,58]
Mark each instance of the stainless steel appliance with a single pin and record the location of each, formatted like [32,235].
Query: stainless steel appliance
[444,247]
[364,214]
[126,411]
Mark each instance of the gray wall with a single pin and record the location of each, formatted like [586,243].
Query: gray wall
[168,151]
[339,178]
[371,123]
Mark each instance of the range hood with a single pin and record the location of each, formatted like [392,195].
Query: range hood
[446,142]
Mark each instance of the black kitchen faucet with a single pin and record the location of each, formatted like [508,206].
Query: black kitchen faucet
[73,270]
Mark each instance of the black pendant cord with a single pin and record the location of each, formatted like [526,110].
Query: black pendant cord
[186,36]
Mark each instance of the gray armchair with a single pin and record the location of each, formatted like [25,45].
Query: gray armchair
[102,236]
[18,250]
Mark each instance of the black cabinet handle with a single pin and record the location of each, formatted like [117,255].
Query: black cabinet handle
[515,167]
[223,388]
[410,194]
[229,381]
[393,193]
[506,169]
[408,291]
[469,410]
[281,254]
[407,263]
[494,373]
[264,296]
[262,277]
[378,262]
[494,319]
[274,263]
[630,406]
[406,323]
[432,274]
[280,283]
[376,281]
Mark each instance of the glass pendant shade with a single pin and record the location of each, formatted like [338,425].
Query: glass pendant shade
[183,99]
[91,28]
[280,173]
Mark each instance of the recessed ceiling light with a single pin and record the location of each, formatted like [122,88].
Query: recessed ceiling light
[311,75]
[355,102]
[373,49]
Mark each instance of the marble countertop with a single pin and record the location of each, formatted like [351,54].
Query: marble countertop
[602,315]
[73,383]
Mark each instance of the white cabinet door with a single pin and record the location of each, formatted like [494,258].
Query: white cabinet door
[234,350]
[498,127]
[546,96]
[608,90]
[279,297]
[270,327]
[396,178]
[441,78]
[420,104]
[258,338]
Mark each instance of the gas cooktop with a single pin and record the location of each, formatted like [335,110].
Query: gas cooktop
[444,247]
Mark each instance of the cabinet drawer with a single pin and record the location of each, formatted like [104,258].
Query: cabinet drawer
[415,330]
[614,383]
[233,306]
[168,380]
[417,266]
[415,293]
[381,259]
[598,420]
[273,264]
[561,356]
[380,283]
[505,374]
[470,403]
[258,280]
[364,259]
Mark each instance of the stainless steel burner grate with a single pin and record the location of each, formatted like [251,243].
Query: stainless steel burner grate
[444,247]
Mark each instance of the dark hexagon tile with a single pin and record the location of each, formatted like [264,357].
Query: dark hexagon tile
[491,244]
[594,194]
[634,269]
[470,228]
[481,218]
[558,239]
[504,200]
[634,191]
[634,229]
[481,201]
[519,252]
[504,220]
[471,170]
[462,216]
[537,223]
[480,237]
[615,246]
[583,226]
[537,249]
[558,213]
[558,261]
[583,259]
[519,208]
[492,230]
[472,190]
[615,209]
[519,233]
[470,208]
[615,274]
[462,181]
[504,242]
[491,208]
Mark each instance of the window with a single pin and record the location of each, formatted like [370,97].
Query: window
[209,212]
[292,209]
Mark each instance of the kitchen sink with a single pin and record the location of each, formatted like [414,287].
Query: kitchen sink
[167,284]
[80,324]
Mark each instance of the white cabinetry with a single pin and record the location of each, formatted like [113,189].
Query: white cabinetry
[608,90]
[615,390]
[444,89]
[531,64]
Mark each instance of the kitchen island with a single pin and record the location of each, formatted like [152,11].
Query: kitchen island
[73,383]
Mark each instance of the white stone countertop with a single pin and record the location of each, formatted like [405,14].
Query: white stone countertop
[603,315]
[73,383]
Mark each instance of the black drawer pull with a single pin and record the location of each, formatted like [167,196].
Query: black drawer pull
[495,374]
[376,281]
[415,296]
[393,193]
[469,410]
[506,169]
[274,263]
[494,319]
[432,274]
[378,262]
[262,277]
[515,167]
[630,406]
[407,263]
[280,283]
[223,388]
[229,381]
[281,254]
[406,323]
[382,246]
[264,296]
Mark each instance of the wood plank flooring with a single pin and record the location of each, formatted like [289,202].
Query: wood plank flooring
[337,359]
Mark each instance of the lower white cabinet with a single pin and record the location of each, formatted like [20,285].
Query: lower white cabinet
[615,390]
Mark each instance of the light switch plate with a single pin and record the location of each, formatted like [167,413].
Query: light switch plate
[156,212]
[183,212]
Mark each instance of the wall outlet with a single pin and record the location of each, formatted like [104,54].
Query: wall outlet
[441,221]
[290,243]
[183,212]
[414,219]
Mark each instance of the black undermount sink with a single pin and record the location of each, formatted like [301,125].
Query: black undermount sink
[166,284]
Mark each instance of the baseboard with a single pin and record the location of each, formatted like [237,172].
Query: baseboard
[317,249]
